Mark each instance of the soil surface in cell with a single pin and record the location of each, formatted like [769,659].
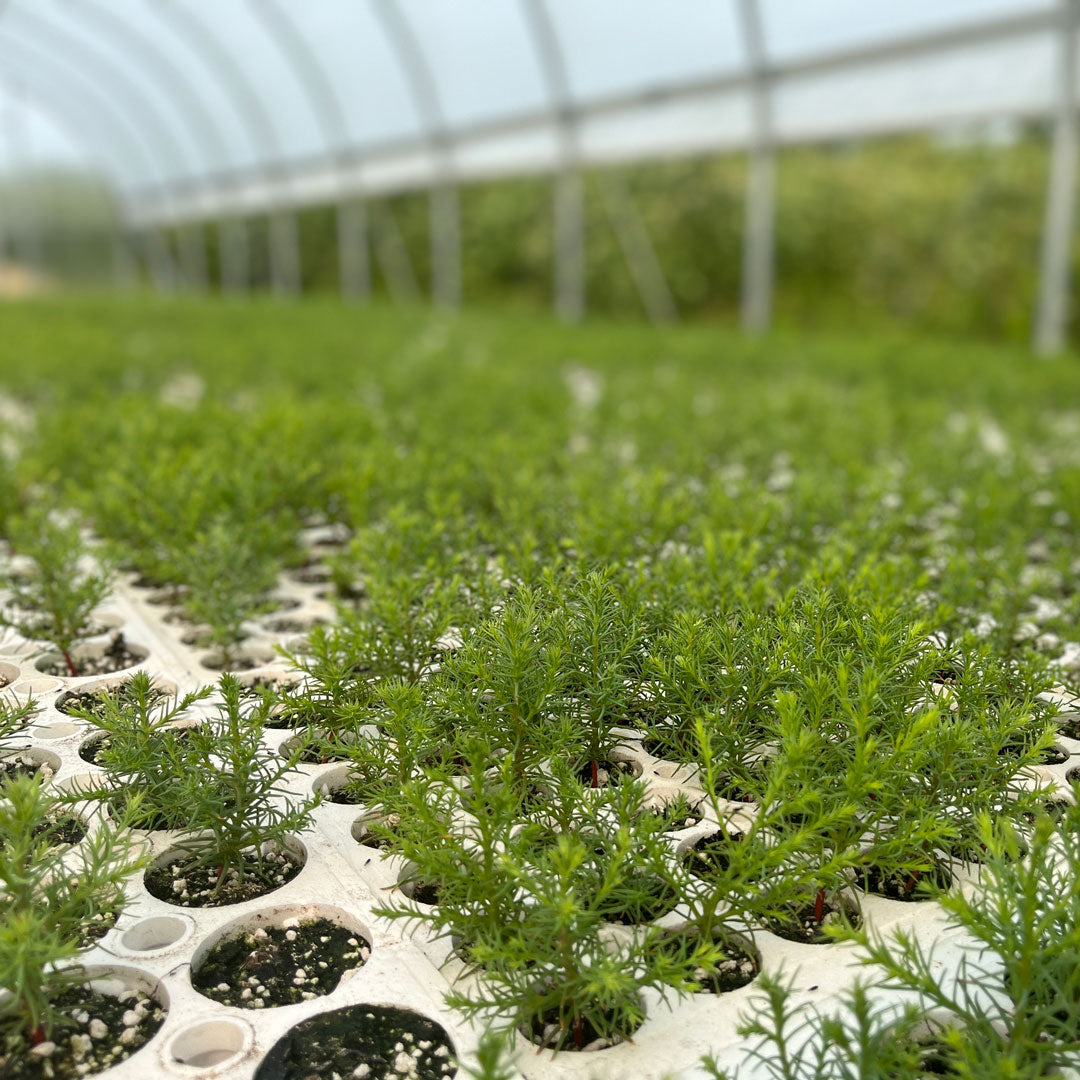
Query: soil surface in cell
[96,1031]
[545,1031]
[646,898]
[676,815]
[214,662]
[60,830]
[96,927]
[422,891]
[118,656]
[368,1042]
[188,884]
[711,854]
[1069,724]
[905,886]
[91,750]
[605,772]
[280,965]
[738,968]
[323,750]
[380,841]
[803,925]
[73,702]
[21,763]
[286,625]
[1054,755]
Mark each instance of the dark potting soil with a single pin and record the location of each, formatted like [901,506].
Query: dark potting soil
[607,772]
[216,662]
[90,749]
[96,927]
[935,1058]
[676,815]
[737,969]
[1069,724]
[62,829]
[148,819]
[674,747]
[186,883]
[1055,809]
[372,840]
[907,887]
[1054,755]
[116,657]
[93,701]
[97,1032]
[545,1031]
[394,1044]
[285,625]
[803,926]
[345,794]
[653,899]
[320,752]
[315,573]
[946,676]
[710,854]
[20,764]
[422,891]
[177,616]
[280,965]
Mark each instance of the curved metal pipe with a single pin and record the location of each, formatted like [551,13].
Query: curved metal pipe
[70,48]
[199,121]
[71,128]
[445,210]
[353,264]
[284,245]
[83,89]
[569,208]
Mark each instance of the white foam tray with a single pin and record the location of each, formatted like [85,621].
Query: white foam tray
[155,943]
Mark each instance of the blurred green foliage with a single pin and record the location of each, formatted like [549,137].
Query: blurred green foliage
[941,238]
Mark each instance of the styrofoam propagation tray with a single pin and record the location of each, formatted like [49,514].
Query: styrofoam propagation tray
[155,943]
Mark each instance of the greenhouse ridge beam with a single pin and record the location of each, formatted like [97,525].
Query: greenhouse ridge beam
[251,188]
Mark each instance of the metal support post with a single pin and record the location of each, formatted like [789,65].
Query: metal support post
[445,245]
[570,245]
[759,231]
[234,256]
[637,249]
[354,260]
[1051,321]
[284,253]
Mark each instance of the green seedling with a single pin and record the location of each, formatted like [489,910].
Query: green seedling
[234,783]
[55,602]
[51,894]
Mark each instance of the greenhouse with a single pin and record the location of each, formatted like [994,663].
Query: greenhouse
[539,539]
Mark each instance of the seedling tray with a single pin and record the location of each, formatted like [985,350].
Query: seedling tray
[155,943]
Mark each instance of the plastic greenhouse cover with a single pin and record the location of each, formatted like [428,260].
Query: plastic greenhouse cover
[646,78]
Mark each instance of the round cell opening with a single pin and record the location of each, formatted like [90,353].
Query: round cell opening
[213,1042]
